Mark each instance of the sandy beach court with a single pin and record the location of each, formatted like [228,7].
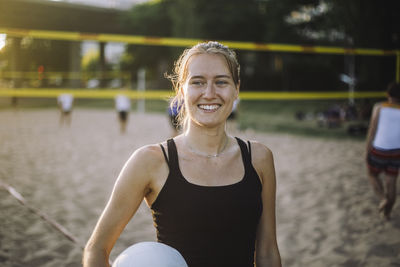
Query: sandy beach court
[326,210]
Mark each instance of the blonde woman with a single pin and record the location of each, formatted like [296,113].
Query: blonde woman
[212,195]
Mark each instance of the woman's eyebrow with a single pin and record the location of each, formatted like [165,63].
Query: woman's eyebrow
[223,76]
[216,77]
[197,77]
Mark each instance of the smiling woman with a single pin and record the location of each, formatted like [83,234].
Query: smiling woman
[209,90]
[212,195]
[224,58]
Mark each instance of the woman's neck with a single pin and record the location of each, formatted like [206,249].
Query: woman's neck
[205,141]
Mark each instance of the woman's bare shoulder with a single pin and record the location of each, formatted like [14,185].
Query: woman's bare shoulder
[262,159]
[260,152]
[149,156]
[140,171]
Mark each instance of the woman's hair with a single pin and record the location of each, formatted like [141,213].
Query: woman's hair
[179,75]
[393,90]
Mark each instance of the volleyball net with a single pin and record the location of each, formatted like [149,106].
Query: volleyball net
[122,81]
[165,95]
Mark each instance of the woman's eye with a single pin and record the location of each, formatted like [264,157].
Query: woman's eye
[221,82]
[198,83]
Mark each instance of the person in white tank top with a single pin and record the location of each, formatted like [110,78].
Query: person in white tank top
[383,149]
[123,106]
[65,102]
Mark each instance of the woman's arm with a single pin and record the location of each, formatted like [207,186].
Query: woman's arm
[372,125]
[267,252]
[129,190]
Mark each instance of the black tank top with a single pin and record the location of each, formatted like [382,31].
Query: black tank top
[211,226]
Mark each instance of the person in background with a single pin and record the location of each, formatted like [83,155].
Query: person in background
[383,148]
[65,102]
[123,106]
[212,195]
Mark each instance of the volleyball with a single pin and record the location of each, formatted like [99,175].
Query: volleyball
[146,254]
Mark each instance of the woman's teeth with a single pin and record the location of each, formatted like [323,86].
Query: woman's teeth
[209,107]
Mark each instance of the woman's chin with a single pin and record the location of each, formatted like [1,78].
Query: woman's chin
[209,123]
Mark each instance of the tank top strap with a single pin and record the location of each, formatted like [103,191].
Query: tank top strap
[165,154]
[246,153]
[172,156]
[173,163]
[249,146]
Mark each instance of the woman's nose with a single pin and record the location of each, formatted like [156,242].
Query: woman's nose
[209,90]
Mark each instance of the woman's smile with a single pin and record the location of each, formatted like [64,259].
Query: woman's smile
[209,107]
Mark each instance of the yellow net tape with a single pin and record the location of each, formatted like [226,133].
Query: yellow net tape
[183,42]
[164,94]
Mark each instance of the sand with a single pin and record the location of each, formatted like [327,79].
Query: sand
[326,210]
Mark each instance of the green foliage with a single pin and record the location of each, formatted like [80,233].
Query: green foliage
[149,19]
[218,20]
[91,62]
[36,52]
[361,23]
[357,23]
[328,22]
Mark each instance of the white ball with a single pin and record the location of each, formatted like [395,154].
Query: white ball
[150,254]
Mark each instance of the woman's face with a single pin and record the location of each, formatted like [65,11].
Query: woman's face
[209,90]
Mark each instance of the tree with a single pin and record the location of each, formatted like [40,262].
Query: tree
[357,23]
[148,19]
[367,23]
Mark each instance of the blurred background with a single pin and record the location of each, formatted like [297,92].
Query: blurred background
[312,68]
[277,47]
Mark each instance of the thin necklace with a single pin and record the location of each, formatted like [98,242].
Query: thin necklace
[208,155]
